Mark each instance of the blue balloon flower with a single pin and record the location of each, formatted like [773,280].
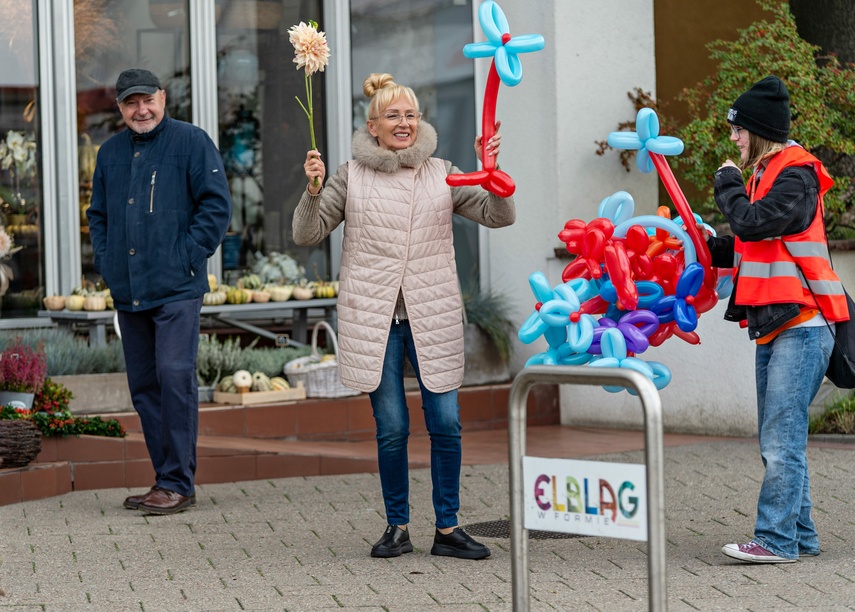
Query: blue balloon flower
[500,45]
[646,140]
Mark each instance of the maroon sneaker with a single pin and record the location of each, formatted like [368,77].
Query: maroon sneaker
[753,553]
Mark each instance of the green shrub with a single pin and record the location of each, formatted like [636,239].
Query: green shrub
[67,354]
[217,359]
[838,418]
[822,105]
[271,361]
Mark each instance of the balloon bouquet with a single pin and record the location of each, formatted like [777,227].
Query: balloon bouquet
[635,281]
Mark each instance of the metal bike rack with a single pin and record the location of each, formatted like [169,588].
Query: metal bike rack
[653,451]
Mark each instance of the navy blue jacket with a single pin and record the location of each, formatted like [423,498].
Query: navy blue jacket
[160,208]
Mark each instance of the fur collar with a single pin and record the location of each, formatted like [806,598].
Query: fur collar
[366,150]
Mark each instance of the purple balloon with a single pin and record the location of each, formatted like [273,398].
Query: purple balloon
[636,326]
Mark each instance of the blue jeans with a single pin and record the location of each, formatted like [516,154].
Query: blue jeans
[789,371]
[160,347]
[442,419]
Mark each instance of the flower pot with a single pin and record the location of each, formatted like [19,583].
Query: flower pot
[206,394]
[17,399]
[20,443]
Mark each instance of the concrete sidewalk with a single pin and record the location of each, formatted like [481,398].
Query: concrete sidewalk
[303,543]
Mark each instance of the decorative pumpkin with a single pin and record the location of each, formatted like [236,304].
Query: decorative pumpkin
[95,302]
[260,295]
[242,380]
[54,302]
[281,293]
[324,290]
[261,382]
[236,296]
[303,293]
[226,385]
[74,302]
[214,298]
[279,384]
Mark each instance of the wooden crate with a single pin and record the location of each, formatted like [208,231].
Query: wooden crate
[261,397]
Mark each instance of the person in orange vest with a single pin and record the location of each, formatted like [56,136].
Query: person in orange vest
[788,296]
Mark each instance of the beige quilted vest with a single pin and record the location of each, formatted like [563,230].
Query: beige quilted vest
[397,236]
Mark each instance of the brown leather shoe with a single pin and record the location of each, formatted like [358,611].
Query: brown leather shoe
[164,501]
[133,502]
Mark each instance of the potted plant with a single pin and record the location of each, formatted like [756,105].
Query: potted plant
[488,337]
[22,373]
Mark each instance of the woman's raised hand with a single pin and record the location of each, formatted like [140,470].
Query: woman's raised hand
[315,171]
[492,144]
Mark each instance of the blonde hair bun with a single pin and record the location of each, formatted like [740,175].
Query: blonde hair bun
[377,81]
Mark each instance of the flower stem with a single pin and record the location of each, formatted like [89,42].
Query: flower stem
[311,114]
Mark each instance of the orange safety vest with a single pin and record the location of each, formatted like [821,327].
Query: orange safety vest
[768,269]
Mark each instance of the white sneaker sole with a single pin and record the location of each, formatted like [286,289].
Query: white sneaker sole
[732,550]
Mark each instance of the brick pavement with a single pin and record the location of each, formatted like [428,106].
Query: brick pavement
[302,544]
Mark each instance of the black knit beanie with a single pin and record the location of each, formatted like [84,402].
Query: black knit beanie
[764,110]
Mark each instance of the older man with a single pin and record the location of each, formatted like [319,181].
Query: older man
[160,208]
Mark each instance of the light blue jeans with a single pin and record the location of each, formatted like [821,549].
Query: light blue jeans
[789,371]
[442,419]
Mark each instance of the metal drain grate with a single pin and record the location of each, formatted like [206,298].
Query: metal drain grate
[502,529]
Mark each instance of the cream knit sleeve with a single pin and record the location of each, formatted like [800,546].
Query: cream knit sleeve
[316,216]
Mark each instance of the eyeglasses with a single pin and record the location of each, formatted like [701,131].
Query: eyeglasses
[396,117]
[736,130]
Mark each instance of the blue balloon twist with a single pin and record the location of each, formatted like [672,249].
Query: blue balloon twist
[500,45]
[646,139]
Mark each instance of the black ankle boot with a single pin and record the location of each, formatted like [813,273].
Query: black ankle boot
[394,543]
[458,544]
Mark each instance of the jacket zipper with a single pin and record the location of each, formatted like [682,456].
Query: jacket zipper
[151,199]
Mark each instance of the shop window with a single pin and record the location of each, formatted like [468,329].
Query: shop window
[264,137]
[22,235]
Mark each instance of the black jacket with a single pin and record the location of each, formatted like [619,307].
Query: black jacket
[788,208]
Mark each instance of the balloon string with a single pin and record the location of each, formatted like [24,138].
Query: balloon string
[687,216]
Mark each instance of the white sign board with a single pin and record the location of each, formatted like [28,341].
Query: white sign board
[585,497]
